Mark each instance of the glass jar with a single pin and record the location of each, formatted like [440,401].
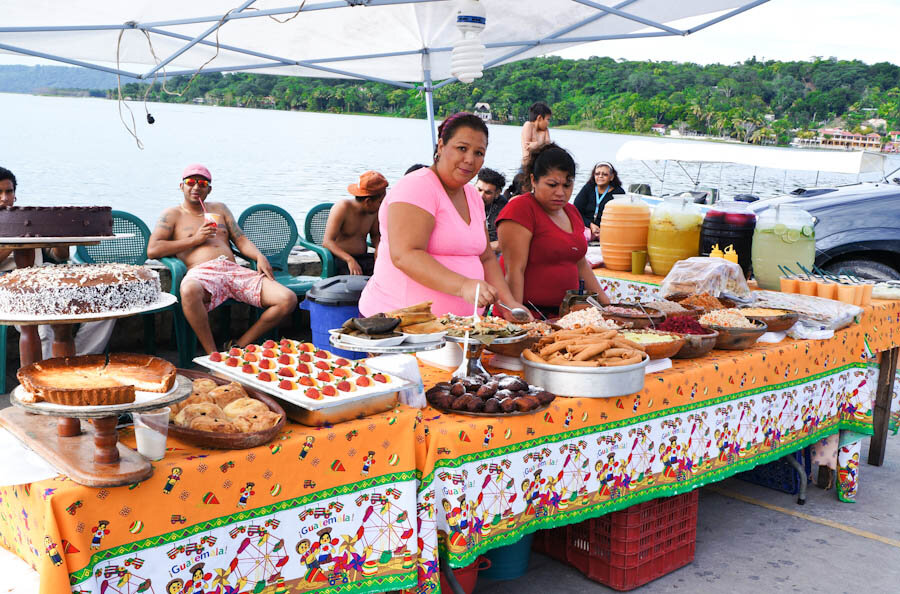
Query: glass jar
[729,223]
[784,236]
[674,233]
[623,229]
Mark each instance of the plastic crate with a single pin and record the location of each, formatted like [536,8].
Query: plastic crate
[779,474]
[629,548]
[552,542]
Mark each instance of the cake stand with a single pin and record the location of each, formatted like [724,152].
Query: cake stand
[93,458]
[23,243]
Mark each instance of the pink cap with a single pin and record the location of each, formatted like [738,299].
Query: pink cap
[196,169]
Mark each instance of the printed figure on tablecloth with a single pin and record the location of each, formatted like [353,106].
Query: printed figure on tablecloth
[199,580]
[310,561]
[52,551]
[488,435]
[174,477]
[99,531]
[246,492]
[175,586]
[495,497]
[576,469]
[307,446]
[368,461]
[325,548]
[848,472]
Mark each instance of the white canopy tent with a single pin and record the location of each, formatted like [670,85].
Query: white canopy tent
[406,43]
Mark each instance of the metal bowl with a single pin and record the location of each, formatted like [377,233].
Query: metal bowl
[696,345]
[643,317]
[779,322]
[737,339]
[514,349]
[586,382]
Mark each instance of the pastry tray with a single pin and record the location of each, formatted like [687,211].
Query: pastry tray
[403,347]
[142,401]
[473,339]
[8,318]
[296,396]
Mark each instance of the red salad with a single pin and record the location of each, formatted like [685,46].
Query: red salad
[682,325]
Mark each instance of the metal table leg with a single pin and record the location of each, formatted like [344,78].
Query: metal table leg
[451,579]
[801,496]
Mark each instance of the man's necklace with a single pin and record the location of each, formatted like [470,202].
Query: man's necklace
[195,214]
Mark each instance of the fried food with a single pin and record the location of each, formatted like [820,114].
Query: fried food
[585,347]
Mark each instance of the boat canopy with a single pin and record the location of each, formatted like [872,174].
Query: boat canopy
[405,43]
[852,162]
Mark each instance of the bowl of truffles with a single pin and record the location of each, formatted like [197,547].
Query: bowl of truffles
[489,396]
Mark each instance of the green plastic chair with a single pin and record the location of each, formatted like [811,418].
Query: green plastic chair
[314,229]
[130,250]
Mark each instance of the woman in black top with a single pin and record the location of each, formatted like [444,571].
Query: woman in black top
[599,189]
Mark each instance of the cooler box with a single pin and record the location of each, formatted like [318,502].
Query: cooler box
[330,303]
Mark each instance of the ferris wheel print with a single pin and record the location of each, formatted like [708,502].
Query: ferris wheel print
[259,558]
[576,469]
[120,580]
[426,523]
[386,527]
[698,440]
[640,460]
[497,494]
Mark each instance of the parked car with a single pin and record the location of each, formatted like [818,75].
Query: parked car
[857,226]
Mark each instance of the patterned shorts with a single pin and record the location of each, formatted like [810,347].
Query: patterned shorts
[224,279]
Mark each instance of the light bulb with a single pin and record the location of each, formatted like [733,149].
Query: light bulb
[467,57]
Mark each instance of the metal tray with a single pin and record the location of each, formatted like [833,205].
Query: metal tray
[403,347]
[517,413]
[473,338]
[342,412]
[586,382]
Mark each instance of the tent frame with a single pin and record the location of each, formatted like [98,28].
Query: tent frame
[328,65]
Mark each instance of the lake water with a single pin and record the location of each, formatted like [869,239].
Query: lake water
[76,151]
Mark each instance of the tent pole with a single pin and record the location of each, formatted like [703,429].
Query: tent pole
[753,182]
[429,97]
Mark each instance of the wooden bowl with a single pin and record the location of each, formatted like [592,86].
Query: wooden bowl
[661,350]
[696,345]
[228,441]
[642,318]
[679,297]
[737,339]
[513,349]
[777,323]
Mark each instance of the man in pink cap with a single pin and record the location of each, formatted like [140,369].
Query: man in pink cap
[198,232]
[351,221]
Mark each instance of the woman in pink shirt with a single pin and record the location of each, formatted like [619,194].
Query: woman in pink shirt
[434,243]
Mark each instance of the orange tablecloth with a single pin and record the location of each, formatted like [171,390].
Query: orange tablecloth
[310,511]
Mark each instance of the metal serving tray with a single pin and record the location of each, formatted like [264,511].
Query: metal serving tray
[586,382]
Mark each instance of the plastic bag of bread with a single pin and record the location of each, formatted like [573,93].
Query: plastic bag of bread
[714,276]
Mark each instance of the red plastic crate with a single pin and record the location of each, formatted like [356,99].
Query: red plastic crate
[552,542]
[630,548]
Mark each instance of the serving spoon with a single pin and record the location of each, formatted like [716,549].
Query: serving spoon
[518,313]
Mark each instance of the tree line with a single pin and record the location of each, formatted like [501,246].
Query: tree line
[754,101]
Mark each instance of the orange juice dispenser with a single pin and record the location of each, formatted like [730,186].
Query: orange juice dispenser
[623,229]
[674,233]
[784,236]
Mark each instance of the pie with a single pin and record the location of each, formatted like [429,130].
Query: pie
[90,380]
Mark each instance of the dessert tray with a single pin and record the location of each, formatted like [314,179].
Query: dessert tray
[418,343]
[143,401]
[6,318]
[41,242]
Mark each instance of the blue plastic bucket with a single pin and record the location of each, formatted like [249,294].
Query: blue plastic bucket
[509,562]
[330,303]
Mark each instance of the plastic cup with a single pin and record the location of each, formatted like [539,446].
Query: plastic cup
[215,218]
[826,289]
[867,295]
[638,262]
[858,291]
[150,430]
[807,287]
[846,293]
[788,285]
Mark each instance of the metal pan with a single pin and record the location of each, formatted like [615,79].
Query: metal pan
[586,382]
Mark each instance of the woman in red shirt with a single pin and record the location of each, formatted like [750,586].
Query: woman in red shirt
[542,235]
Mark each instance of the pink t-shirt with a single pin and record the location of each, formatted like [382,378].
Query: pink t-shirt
[453,243]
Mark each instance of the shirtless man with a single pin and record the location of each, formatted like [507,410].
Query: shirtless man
[351,221]
[213,276]
[536,131]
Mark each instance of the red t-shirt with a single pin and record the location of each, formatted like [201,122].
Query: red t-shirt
[553,255]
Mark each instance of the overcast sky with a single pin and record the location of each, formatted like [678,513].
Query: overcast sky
[780,30]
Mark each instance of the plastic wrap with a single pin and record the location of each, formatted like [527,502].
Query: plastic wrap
[816,313]
[405,367]
[705,275]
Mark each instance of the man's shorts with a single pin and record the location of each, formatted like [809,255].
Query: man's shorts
[365,261]
[224,279]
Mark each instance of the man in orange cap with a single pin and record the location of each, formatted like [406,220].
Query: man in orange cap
[351,221]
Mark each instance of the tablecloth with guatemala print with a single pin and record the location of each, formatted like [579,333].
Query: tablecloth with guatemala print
[488,481]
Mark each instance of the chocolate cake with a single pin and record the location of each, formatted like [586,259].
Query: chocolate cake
[55,221]
[76,289]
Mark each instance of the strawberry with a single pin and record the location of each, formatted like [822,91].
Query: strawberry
[250,357]
[363,382]
[313,394]
[341,372]
[251,348]
[307,381]
[268,353]
[322,354]
[285,359]
[269,344]
[329,391]
[286,372]
[303,368]
[361,370]
[344,386]
[287,385]
[232,361]
[341,362]
[266,364]
[306,347]
[265,376]
[305,357]
[324,376]
[248,368]
[235,352]
[323,365]
[215,357]
[378,377]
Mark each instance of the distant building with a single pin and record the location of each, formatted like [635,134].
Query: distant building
[659,129]
[483,110]
[836,138]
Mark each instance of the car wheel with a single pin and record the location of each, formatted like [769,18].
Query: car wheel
[865,269]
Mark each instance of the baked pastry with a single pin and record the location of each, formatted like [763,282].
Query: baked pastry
[192,411]
[207,423]
[258,422]
[245,407]
[70,289]
[56,221]
[194,398]
[225,395]
[203,385]
[90,380]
